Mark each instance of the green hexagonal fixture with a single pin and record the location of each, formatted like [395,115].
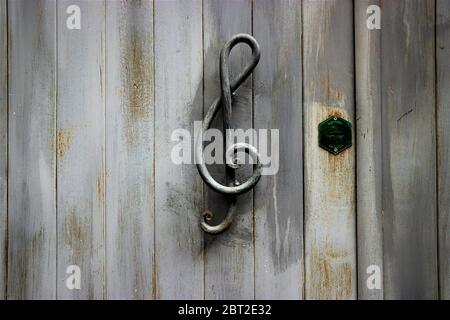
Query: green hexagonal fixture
[335,135]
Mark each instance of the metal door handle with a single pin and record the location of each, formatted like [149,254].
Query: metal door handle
[232,188]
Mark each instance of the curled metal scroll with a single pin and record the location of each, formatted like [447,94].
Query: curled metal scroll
[232,187]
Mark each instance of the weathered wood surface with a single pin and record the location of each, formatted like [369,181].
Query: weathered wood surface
[443,130]
[278,105]
[81,149]
[179,269]
[3,148]
[32,148]
[86,122]
[330,248]
[368,150]
[129,149]
[409,150]
[229,256]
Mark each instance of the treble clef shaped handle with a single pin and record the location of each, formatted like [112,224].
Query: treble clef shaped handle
[232,188]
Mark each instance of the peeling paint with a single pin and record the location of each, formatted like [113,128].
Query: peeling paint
[137,93]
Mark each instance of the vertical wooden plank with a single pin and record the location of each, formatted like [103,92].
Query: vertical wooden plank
[80,149]
[129,149]
[443,116]
[368,149]
[278,105]
[3,148]
[330,252]
[178,103]
[409,150]
[228,256]
[31,198]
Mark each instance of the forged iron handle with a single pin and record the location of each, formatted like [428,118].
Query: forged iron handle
[232,188]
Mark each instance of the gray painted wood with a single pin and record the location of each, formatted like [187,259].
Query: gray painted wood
[228,256]
[3,149]
[443,129]
[409,147]
[129,149]
[330,248]
[278,105]
[91,181]
[32,128]
[368,150]
[81,149]
[178,103]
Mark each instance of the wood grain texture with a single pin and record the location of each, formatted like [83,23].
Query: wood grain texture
[81,149]
[228,256]
[278,105]
[3,148]
[443,129]
[409,150]
[368,149]
[32,128]
[129,149]
[330,249]
[178,103]
[86,175]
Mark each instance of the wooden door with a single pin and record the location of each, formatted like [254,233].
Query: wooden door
[91,93]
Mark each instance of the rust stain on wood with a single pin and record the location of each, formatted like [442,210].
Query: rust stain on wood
[330,257]
[101,187]
[337,169]
[75,232]
[64,141]
[333,273]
